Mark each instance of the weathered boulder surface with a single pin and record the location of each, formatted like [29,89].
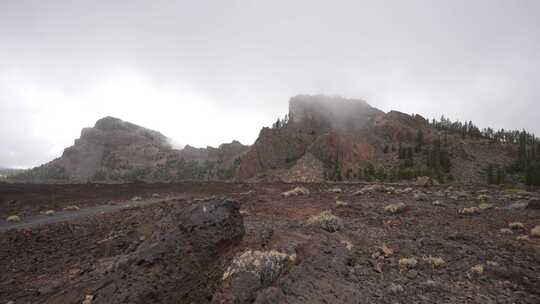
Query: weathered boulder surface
[182,266]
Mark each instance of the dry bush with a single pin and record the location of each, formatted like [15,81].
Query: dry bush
[469,211]
[408,263]
[516,225]
[485,206]
[436,262]
[266,265]
[395,208]
[505,231]
[72,208]
[535,232]
[13,219]
[296,191]
[327,221]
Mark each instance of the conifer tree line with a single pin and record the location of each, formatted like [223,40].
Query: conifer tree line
[470,130]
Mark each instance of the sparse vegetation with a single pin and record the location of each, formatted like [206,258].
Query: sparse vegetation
[516,225]
[469,211]
[408,263]
[327,221]
[13,219]
[436,262]
[266,265]
[535,232]
[505,231]
[296,191]
[395,208]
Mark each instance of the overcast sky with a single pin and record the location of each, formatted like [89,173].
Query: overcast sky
[208,72]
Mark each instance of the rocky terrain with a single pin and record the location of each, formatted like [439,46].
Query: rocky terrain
[115,150]
[321,138]
[270,243]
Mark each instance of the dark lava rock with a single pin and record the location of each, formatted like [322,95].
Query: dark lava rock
[534,204]
[184,265]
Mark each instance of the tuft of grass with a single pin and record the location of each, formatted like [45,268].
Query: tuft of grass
[522,238]
[505,231]
[485,206]
[436,262]
[327,221]
[266,265]
[516,225]
[13,219]
[408,263]
[296,191]
[395,208]
[469,211]
[535,232]
[72,208]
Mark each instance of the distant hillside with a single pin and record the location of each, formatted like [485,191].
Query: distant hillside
[321,138]
[333,138]
[115,150]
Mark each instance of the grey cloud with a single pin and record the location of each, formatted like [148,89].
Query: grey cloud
[476,60]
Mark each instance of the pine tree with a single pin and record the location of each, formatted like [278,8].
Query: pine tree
[490,174]
[419,141]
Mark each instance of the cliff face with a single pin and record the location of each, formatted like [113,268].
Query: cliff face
[337,138]
[115,150]
[322,138]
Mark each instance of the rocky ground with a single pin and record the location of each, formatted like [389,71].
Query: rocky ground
[376,244]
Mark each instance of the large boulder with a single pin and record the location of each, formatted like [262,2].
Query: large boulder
[184,265]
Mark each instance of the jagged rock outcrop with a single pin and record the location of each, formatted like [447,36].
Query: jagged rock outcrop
[184,265]
[116,150]
[342,138]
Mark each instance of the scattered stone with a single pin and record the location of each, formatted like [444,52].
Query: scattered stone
[72,208]
[516,225]
[13,219]
[492,263]
[327,221]
[408,263]
[296,191]
[535,232]
[505,231]
[406,190]
[469,211]
[420,196]
[395,208]
[156,195]
[534,204]
[396,288]
[136,198]
[341,203]
[412,274]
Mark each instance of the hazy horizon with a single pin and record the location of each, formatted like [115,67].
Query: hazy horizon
[207,73]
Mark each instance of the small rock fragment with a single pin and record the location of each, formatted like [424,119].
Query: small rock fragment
[49,212]
[408,263]
[136,198]
[469,211]
[477,269]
